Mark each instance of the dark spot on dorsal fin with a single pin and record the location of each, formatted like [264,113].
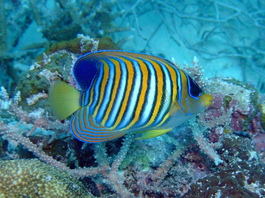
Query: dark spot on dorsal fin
[85,70]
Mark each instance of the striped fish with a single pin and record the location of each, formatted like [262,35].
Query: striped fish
[123,92]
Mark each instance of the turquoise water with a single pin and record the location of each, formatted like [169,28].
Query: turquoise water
[220,44]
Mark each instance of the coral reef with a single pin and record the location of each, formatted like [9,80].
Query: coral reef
[56,30]
[56,61]
[241,176]
[33,178]
[62,23]
[219,153]
[225,140]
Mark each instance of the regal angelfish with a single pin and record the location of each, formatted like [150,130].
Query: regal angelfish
[122,92]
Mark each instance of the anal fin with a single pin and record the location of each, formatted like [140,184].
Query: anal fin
[86,129]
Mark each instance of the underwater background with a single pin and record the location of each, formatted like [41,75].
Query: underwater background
[218,153]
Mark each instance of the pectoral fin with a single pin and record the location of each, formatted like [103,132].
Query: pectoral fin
[174,109]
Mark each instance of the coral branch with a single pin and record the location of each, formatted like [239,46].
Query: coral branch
[204,145]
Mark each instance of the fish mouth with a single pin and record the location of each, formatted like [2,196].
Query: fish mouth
[207,99]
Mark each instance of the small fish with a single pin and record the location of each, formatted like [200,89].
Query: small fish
[121,92]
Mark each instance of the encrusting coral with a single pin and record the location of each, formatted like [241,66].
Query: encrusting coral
[33,178]
[241,176]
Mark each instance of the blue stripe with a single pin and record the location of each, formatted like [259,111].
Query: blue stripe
[133,98]
[167,100]
[96,90]
[108,91]
[120,94]
[149,104]
[179,84]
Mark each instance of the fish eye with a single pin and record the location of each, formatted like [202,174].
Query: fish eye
[194,89]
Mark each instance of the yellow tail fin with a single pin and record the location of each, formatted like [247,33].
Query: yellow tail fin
[63,99]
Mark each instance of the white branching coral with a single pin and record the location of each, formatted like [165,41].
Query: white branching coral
[48,75]
[33,99]
[6,101]
[85,41]
[205,146]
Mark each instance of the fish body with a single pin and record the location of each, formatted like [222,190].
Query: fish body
[122,92]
